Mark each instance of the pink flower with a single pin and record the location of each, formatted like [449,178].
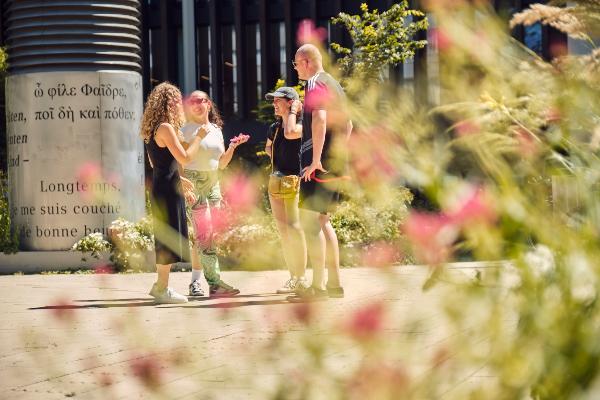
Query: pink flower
[303,312]
[103,269]
[240,194]
[440,39]
[474,207]
[89,172]
[148,370]
[465,128]
[381,254]
[367,321]
[63,310]
[308,33]
[318,98]
[431,236]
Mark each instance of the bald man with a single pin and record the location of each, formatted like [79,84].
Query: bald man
[322,173]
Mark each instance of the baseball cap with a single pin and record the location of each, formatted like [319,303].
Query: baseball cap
[284,91]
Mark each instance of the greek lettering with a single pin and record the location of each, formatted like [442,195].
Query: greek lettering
[66,113]
[104,90]
[61,90]
[44,115]
[90,114]
[38,91]
[119,113]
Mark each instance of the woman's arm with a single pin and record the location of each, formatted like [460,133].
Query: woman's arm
[293,130]
[269,147]
[233,144]
[166,136]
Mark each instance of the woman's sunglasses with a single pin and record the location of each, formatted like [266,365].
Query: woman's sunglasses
[197,101]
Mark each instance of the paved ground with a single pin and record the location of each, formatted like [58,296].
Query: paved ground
[100,336]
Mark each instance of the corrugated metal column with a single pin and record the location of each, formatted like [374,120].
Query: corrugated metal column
[74,105]
[188,22]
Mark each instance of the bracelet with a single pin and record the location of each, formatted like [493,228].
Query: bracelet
[293,113]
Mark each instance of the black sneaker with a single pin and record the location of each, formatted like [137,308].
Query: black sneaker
[309,294]
[196,289]
[335,292]
[221,289]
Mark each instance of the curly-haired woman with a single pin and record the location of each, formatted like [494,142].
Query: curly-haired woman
[163,118]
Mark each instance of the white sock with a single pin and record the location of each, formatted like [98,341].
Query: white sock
[196,274]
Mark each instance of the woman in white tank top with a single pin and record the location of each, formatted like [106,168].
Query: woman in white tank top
[203,172]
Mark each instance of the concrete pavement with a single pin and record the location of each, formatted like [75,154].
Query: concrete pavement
[101,336]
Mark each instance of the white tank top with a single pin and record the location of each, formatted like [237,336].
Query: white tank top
[211,149]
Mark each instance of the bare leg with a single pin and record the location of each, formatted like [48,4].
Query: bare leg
[163,275]
[315,241]
[296,238]
[278,209]
[333,252]
[196,265]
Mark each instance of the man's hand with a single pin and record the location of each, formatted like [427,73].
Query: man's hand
[312,168]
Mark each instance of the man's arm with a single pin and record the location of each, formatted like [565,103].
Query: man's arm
[349,127]
[319,130]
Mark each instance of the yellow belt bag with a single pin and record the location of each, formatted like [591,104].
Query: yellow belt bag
[282,186]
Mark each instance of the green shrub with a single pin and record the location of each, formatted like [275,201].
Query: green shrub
[9,236]
[127,242]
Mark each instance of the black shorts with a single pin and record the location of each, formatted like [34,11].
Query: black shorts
[321,197]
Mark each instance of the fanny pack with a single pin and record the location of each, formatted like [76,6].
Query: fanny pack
[282,186]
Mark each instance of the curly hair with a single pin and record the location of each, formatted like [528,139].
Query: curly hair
[214,115]
[161,106]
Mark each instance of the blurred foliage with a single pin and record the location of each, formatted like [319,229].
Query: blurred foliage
[9,236]
[3,70]
[379,39]
[522,328]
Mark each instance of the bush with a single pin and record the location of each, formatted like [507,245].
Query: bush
[127,242]
[361,224]
[9,237]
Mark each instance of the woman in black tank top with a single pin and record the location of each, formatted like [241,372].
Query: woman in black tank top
[283,145]
[163,117]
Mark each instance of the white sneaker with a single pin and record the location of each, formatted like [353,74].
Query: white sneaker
[288,286]
[169,296]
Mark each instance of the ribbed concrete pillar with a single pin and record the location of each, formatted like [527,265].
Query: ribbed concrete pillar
[74,103]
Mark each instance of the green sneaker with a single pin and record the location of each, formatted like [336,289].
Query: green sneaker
[335,292]
[221,289]
[308,295]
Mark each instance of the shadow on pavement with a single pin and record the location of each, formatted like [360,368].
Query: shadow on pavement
[144,302]
[236,304]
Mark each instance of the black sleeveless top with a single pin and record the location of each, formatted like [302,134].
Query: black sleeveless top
[286,152]
[168,206]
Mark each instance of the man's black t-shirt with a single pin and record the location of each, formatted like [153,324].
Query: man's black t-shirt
[321,90]
[286,152]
